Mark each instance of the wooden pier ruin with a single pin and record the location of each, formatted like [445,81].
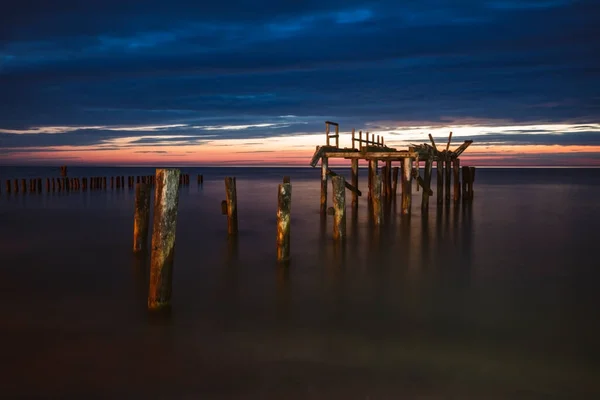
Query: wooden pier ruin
[372,149]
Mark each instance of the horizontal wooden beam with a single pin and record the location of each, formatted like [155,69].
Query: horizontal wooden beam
[372,155]
[422,184]
[348,186]
[332,123]
[319,152]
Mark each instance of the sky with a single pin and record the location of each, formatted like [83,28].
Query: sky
[158,83]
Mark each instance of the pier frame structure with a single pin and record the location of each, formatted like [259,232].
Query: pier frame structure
[372,148]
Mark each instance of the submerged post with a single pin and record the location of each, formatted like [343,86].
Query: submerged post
[354,179]
[324,165]
[406,185]
[284,207]
[141,217]
[448,177]
[395,183]
[339,205]
[231,196]
[166,200]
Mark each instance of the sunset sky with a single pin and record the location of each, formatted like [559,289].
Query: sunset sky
[251,83]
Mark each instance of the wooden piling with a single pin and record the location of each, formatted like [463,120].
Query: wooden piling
[8,186]
[141,217]
[284,207]
[372,174]
[376,200]
[427,180]
[23,186]
[339,205]
[406,185]
[166,199]
[466,177]
[471,181]
[231,197]
[200,179]
[324,165]
[456,168]
[354,180]
[395,182]
[440,180]
[448,169]
[388,178]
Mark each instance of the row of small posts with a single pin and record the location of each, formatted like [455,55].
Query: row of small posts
[64,184]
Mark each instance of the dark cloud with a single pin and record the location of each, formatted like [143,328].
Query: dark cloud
[76,63]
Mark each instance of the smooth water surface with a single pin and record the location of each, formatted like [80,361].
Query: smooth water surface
[494,300]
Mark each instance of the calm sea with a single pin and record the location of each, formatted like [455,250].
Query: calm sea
[494,300]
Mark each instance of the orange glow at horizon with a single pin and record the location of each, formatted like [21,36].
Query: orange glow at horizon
[293,150]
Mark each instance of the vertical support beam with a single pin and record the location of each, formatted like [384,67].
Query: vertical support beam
[284,208]
[376,200]
[440,179]
[360,140]
[466,176]
[141,217]
[395,182]
[448,178]
[324,165]
[427,180]
[166,200]
[354,179]
[339,206]
[372,175]
[406,185]
[456,168]
[388,179]
[231,197]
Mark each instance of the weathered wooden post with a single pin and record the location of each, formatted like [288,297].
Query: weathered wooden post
[8,186]
[339,205]
[200,179]
[23,186]
[406,185]
[440,178]
[427,180]
[376,200]
[388,178]
[16,182]
[231,196]
[324,165]
[448,168]
[384,189]
[456,165]
[284,208]
[166,200]
[372,174]
[141,217]
[354,180]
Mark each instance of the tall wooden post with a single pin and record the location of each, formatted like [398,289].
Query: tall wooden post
[372,174]
[354,179]
[339,205]
[456,165]
[231,197]
[427,180]
[166,200]
[471,181]
[448,168]
[388,178]
[440,179]
[324,165]
[406,185]
[141,218]
[466,177]
[376,200]
[284,207]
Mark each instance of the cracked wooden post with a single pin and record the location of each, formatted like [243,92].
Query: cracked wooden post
[339,205]
[456,165]
[448,167]
[440,179]
[354,180]
[471,181]
[427,180]
[166,200]
[376,200]
[141,217]
[231,197]
[324,165]
[406,185]
[284,207]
